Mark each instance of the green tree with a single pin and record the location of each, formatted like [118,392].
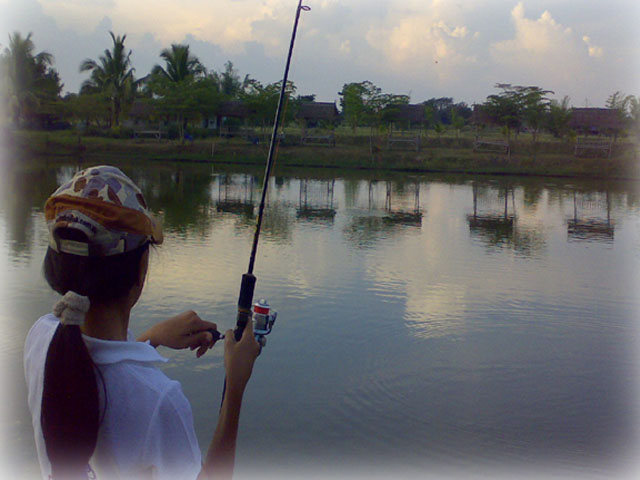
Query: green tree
[385,106]
[626,105]
[112,75]
[517,106]
[441,108]
[352,104]
[229,82]
[429,115]
[263,101]
[180,65]
[634,114]
[29,83]
[536,108]
[505,110]
[559,117]
[90,108]
[618,101]
[184,90]
[364,104]
[457,122]
[186,101]
[439,129]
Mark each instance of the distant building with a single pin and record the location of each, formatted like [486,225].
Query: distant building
[142,115]
[596,121]
[407,115]
[315,112]
[231,109]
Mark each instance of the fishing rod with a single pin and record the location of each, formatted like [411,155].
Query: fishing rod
[261,313]
[248,283]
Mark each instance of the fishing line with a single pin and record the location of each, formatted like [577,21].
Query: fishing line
[248,282]
[247,285]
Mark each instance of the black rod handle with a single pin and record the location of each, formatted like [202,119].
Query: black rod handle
[245,302]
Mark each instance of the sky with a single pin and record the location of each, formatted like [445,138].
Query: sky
[584,49]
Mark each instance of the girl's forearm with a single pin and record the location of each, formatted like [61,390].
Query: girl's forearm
[220,458]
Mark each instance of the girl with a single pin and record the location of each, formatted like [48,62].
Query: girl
[99,404]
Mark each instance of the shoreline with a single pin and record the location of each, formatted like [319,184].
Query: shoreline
[447,155]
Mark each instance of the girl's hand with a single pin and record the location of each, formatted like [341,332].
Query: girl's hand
[184,330]
[239,357]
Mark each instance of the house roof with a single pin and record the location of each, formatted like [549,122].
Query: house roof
[596,118]
[317,111]
[233,108]
[411,112]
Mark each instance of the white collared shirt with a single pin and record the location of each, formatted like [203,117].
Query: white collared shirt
[147,430]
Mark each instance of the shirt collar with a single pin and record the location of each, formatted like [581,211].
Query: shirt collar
[105,352]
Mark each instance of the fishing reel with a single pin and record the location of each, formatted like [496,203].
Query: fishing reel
[263,320]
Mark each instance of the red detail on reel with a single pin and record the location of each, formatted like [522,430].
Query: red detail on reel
[261,307]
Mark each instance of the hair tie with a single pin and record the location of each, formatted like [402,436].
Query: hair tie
[72,308]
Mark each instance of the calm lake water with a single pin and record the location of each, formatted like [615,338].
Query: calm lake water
[428,325]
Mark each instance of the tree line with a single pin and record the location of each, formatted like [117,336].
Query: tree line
[185,91]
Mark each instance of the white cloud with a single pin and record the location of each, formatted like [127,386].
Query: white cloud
[543,51]
[345,47]
[227,23]
[423,43]
[594,51]
[543,37]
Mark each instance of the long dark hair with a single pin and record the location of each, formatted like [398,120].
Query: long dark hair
[70,415]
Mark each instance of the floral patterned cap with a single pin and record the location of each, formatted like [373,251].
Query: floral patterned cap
[105,205]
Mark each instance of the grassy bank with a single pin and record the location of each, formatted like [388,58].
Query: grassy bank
[547,157]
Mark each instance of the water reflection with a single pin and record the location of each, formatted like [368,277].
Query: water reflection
[235,194]
[191,199]
[278,224]
[182,197]
[491,327]
[493,228]
[22,195]
[587,223]
[392,208]
[401,215]
[495,223]
[320,207]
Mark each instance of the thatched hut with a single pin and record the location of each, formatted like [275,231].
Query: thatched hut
[233,109]
[596,121]
[407,115]
[229,117]
[141,114]
[313,113]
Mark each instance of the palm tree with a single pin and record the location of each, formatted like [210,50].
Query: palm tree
[180,64]
[177,83]
[22,74]
[112,75]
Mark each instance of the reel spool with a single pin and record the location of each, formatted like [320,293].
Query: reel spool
[263,320]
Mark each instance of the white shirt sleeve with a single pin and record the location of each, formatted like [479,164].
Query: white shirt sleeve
[170,446]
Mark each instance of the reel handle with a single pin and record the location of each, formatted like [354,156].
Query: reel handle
[245,302]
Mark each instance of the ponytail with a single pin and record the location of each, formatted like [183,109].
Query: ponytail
[70,413]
